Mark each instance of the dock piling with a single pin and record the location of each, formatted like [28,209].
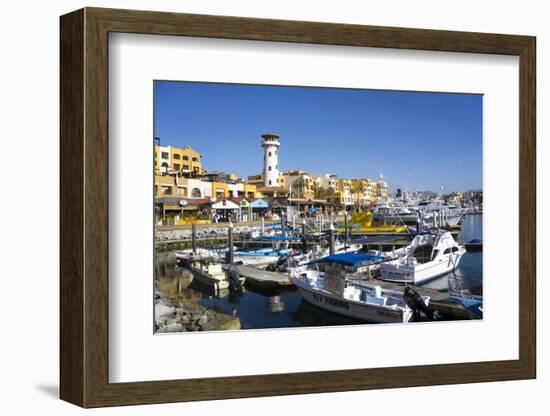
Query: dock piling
[346,234]
[230,242]
[331,236]
[304,241]
[194,238]
[262,226]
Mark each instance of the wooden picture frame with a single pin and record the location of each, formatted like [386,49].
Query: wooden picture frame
[84,207]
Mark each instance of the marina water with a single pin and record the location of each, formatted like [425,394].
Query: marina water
[285,309]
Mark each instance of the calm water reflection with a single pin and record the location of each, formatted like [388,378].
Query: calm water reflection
[287,309]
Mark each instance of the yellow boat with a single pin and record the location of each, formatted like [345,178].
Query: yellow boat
[361,223]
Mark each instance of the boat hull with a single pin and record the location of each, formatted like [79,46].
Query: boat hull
[350,308]
[332,303]
[208,280]
[419,273]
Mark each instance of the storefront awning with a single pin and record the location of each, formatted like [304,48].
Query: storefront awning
[259,203]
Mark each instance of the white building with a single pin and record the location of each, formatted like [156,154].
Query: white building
[270,143]
[235,189]
[199,189]
[327,181]
[164,159]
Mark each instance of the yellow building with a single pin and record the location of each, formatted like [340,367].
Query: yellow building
[364,191]
[298,183]
[220,190]
[170,185]
[170,159]
[344,194]
[250,191]
[455,198]
[164,185]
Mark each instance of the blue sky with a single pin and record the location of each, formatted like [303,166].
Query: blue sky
[419,141]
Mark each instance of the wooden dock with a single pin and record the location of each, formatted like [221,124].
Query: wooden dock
[439,301]
[263,279]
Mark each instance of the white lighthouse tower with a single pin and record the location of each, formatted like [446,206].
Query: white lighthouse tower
[270,143]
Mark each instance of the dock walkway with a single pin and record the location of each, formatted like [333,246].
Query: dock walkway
[262,279]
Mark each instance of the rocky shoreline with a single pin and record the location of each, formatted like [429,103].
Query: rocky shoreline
[175,316]
[173,313]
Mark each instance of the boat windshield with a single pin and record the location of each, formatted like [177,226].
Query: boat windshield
[423,254]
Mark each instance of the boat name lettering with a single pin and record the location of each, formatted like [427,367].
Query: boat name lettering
[330,301]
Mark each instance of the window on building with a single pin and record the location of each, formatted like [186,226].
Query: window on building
[176,156]
[269,153]
[196,193]
[270,181]
[185,167]
[195,169]
[250,195]
[182,191]
[185,157]
[269,168]
[167,190]
[156,189]
[276,166]
[176,166]
[164,155]
[195,159]
[219,193]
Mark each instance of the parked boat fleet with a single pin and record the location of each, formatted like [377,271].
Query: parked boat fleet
[349,277]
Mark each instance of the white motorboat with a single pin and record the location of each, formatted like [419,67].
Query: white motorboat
[262,256]
[207,270]
[429,255]
[395,215]
[437,213]
[217,254]
[336,291]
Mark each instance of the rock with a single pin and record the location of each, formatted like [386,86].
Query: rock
[203,319]
[162,309]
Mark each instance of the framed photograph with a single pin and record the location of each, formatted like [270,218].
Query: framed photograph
[255,207]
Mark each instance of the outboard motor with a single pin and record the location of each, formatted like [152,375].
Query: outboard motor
[282,262]
[280,265]
[414,301]
[234,277]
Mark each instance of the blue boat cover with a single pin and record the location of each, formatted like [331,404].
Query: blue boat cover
[351,259]
[470,304]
